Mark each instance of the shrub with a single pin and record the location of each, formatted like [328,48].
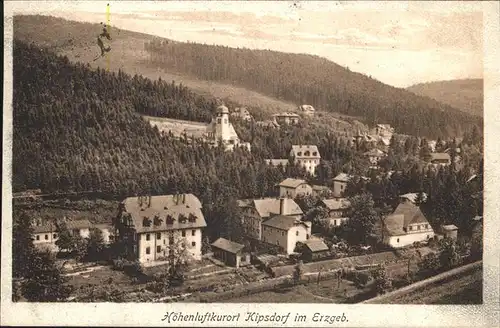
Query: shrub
[118,264]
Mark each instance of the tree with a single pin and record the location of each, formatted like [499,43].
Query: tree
[22,243]
[298,272]
[44,282]
[449,256]
[64,240]
[95,244]
[429,265]
[382,283]
[178,257]
[362,219]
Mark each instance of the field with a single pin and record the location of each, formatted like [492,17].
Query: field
[177,127]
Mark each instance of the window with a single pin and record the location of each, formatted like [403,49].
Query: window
[148,250]
[148,236]
[307,236]
[299,153]
[218,120]
[418,227]
[282,233]
[315,153]
[183,233]
[54,236]
[193,232]
[334,222]
[397,240]
[428,236]
[170,220]
[158,235]
[277,242]
[46,237]
[37,237]
[225,121]
[296,233]
[411,228]
[146,222]
[193,244]
[158,249]
[426,226]
[341,187]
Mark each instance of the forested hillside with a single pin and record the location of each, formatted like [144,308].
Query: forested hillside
[287,78]
[466,95]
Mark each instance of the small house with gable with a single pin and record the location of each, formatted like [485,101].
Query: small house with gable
[314,249]
[230,252]
[292,188]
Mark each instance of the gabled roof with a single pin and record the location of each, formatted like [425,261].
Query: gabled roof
[440,156]
[227,245]
[302,149]
[292,183]
[267,206]
[163,207]
[316,245]
[343,177]
[46,227]
[404,215]
[282,222]
[287,114]
[336,203]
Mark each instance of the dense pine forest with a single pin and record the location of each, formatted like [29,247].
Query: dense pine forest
[313,80]
[76,129]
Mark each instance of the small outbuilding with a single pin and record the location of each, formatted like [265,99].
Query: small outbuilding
[314,249]
[450,231]
[230,253]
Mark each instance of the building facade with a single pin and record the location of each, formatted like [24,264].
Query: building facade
[292,188]
[307,156]
[338,209]
[285,231]
[154,228]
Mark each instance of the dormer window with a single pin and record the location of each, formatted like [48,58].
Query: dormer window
[307,153]
[157,221]
[169,220]
[299,153]
[182,218]
[146,222]
[315,153]
[192,218]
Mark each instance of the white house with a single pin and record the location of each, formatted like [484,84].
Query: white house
[405,226]
[307,109]
[292,188]
[306,156]
[286,118]
[152,227]
[221,129]
[257,211]
[45,232]
[285,232]
[337,210]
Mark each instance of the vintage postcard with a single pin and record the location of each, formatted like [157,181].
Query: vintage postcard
[239,163]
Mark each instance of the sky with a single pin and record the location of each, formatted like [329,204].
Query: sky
[398,43]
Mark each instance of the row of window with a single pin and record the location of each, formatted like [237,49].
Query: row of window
[158,249]
[46,237]
[158,234]
[307,153]
[157,221]
[426,226]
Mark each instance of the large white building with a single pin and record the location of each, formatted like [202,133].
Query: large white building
[220,129]
[306,156]
[152,227]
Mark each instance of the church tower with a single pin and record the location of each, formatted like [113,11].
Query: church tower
[222,126]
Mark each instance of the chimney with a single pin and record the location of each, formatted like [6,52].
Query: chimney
[282,205]
[149,201]
[183,198]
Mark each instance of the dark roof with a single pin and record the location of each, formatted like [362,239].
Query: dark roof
[78,224]
[227,245]
[165,206]
[316,245]
[292,183]
[404,215]
[282,222]
[47,227]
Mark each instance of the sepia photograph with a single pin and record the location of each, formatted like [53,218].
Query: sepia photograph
[268,152]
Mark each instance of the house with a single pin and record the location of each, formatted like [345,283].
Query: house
[449,231]
[442,159]
[220,129]
[230,253]
[256,211]
[340,183]
[375,155]
[243,113]
[307,109]
[285,231]
[314,249]
[338,209]
[292,188]
[152,227]
[306,156]
[286,118]
[384,130]
[412,197]
[79,227]
[406,225]
[45,235]
[277,162]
